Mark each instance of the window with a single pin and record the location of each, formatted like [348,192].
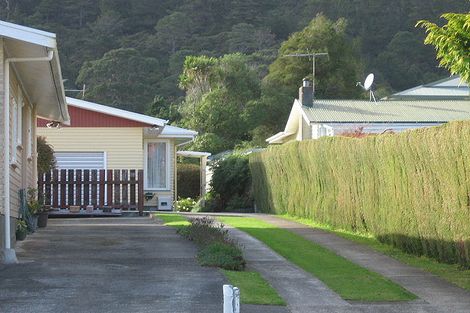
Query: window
[29,134]
[156,165]
[19,116]
[13,127]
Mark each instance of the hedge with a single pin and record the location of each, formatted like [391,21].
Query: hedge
[411,190]
[188,180]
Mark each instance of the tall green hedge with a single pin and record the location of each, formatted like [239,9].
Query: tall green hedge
[410,189]
[188,180]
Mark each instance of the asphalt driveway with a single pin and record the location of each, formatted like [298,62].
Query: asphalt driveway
[108,265]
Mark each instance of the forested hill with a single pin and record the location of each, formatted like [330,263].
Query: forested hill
[162,33]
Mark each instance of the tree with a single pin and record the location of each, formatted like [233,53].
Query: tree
[122,78]
[46,160]
[218,93]
[335,77]
[406,62]
[452,42]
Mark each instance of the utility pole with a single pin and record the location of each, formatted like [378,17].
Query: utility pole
[313,56]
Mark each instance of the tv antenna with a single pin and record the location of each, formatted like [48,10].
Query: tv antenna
[368,86]
[313,57]
[82,91]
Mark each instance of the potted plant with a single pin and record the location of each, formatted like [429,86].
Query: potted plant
[21,230]
[34,207]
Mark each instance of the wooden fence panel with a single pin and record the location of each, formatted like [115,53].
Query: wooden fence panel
[122,189]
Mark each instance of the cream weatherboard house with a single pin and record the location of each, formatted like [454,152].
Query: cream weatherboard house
[314,118]
[30,86]
[101,137]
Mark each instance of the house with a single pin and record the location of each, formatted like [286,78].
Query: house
[312,119]
[101,137]
[30,86]
[451,88]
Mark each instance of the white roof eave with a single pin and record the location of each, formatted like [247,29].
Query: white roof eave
[28,34]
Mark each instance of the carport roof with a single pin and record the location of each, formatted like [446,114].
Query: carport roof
[42,80]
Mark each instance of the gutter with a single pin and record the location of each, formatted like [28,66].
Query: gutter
[9,255]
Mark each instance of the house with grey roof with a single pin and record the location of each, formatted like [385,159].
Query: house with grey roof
[451,88]
[314,118]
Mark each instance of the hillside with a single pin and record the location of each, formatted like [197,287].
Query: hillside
[130,53]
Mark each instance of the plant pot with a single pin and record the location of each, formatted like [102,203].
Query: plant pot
[33,223]
[21,235]
[74,209]
[42,219]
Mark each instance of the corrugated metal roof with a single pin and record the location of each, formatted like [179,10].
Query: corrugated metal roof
[451,88]
[343,111]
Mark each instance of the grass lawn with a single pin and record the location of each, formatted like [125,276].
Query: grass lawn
[253,288]
[173,220]
[350,281]
[449,272]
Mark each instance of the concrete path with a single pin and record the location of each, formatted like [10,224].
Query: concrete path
[108,265]
[436,294]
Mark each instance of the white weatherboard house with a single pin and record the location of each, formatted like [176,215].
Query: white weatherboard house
[312,119]
[30,86]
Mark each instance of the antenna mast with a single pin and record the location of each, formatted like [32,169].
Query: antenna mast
[314,57]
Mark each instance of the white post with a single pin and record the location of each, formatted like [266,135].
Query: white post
[231,299]
[236,300]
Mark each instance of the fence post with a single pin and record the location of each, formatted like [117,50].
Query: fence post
[140,192]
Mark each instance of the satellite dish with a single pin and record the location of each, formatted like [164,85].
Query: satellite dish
[369,81]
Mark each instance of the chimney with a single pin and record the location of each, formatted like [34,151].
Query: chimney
[306,93]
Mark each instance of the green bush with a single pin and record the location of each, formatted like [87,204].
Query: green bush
[46,159]
[188,180]
[216,248]
[231,179]
[409,189]
[223,255]
[185,205]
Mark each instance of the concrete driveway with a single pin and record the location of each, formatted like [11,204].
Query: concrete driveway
[108,265]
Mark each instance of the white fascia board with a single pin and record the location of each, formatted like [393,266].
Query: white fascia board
[193,154]
[28,34]
[174,131]
[99,108]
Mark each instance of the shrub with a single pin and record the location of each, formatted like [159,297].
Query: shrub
[408,189]
[205,230]
[188,176]
[231,178]
[223,255]
[46,159]
[207,203]
[185,205]
[216,247]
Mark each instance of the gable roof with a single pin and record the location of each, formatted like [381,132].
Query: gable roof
[104,109]
[42,80]
[393,111]
[168,131]
[447,88]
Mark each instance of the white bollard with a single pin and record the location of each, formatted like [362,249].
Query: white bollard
[236,300]
[231,299]
[228,299]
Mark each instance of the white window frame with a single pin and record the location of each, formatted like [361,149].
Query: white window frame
[19,116]
[14,128]
[29,134]
[168,167]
